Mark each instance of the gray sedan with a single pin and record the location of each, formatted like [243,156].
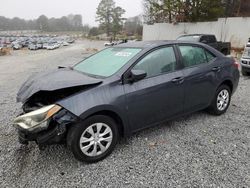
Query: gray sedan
[121,90]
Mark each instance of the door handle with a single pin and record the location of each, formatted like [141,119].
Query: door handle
[216,69]
[178,80]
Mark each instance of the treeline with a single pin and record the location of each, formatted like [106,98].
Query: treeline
[157,11]
[65,23]
[131,27]
[128,27]
[112,22]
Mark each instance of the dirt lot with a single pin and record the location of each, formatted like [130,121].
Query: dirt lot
[199,150]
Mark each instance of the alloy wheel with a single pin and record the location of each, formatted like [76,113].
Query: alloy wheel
[223,100]
[96,139]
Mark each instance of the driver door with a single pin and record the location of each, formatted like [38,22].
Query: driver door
[159,96]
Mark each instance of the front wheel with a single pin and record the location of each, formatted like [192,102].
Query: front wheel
[221,101]
[93,139]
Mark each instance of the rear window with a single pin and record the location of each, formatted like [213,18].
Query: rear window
[106,62]
[192,56]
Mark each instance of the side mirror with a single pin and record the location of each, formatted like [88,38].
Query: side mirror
[204,41]
[137,75]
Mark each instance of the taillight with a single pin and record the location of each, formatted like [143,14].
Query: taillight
[236,64]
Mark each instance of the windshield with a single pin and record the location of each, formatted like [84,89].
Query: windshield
[107,62]
[189,38]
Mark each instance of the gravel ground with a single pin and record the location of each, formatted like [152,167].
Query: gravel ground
[198,150]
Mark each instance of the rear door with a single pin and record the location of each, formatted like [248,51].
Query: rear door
[200,72]
[158,96]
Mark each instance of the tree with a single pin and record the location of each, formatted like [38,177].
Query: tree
[94,31]
[77,21]
[110,17]
[69,23]
[43,23]
[117,20]
[133,26]
[86,28]
[237,8]
[150,12]
[204,10]
[104,14]
[182,10]
[157,11]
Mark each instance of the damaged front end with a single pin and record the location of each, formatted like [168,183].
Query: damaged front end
[43,120]
[45,98]
[45,126]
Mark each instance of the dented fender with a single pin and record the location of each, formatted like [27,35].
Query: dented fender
[99,99]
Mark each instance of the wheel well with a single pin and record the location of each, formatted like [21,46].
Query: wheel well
[115,117]
[228,83]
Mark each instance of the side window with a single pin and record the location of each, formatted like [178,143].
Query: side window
[210,56]
[192,55]
[158,62]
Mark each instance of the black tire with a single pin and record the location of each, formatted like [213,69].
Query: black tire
[244,72]
[213,108]
[76,131]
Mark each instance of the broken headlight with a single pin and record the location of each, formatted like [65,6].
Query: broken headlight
[32,120]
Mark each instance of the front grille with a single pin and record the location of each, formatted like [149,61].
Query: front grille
[245,62]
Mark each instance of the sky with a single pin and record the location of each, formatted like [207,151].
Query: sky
[32,9]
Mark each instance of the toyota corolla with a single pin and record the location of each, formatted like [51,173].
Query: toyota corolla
[121,90]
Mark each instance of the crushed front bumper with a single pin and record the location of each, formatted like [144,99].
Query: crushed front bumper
[54,133]
[47,137]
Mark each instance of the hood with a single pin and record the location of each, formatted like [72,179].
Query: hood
[52,81]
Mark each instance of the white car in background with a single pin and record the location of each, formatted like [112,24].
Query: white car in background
[53,46]
[245,60]
[16,46]
[32,47]
[65,43]
[109,44]
[45,45]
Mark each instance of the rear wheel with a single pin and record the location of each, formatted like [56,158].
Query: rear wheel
[93,139]
[221,101]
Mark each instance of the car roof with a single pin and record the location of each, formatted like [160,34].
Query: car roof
[142,44]
[153,44]
[196,35]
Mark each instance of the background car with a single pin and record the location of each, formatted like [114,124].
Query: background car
[32,47]
[245,60]
[109,44]
[34,42]
[223,47]
[16,46]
